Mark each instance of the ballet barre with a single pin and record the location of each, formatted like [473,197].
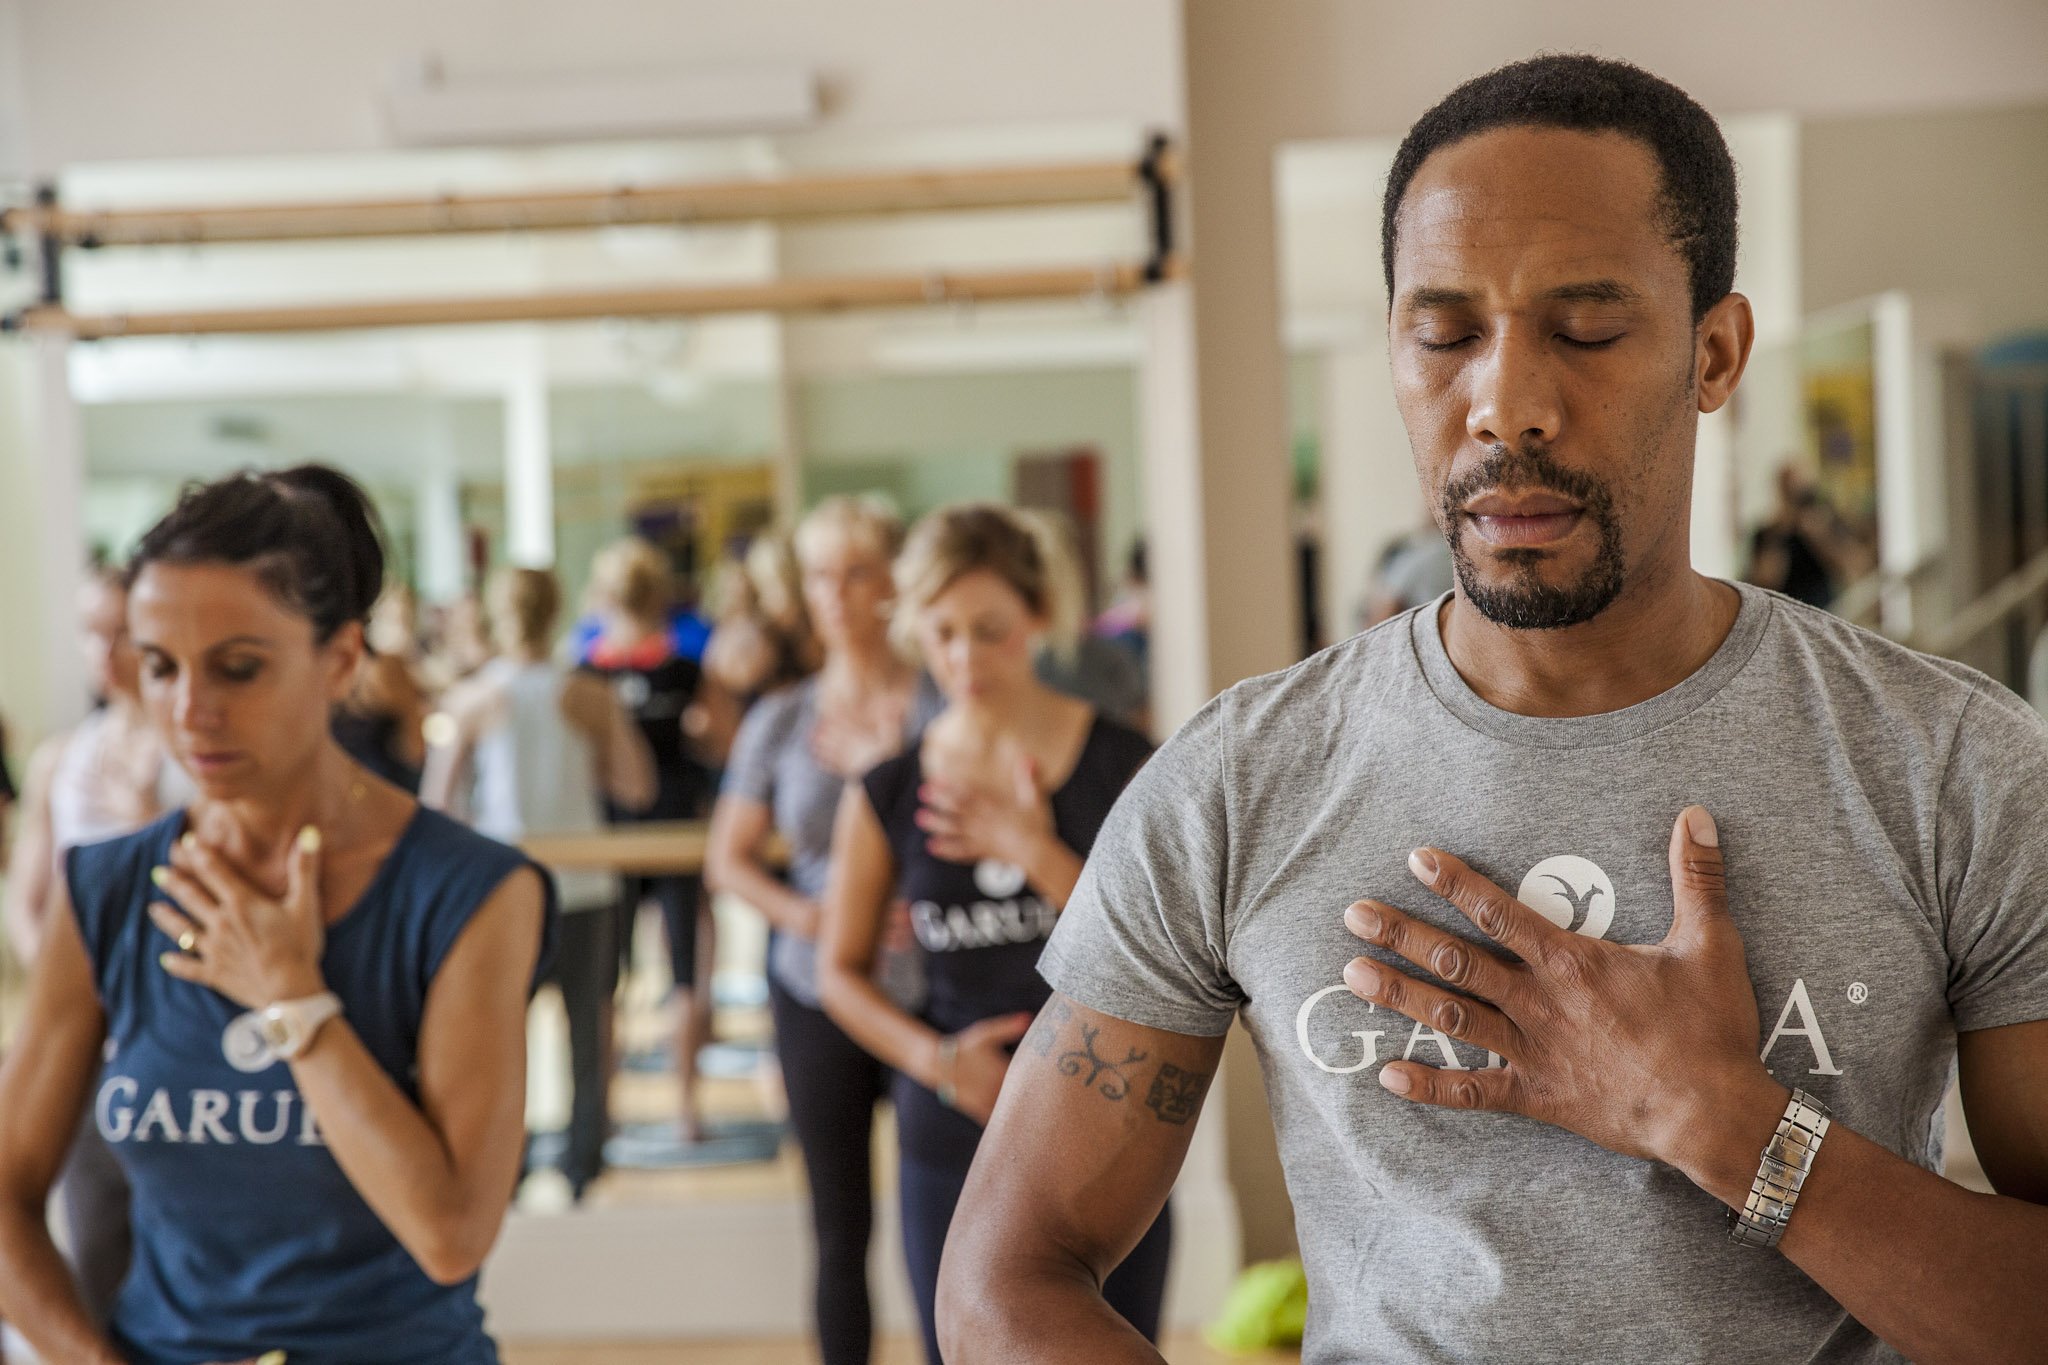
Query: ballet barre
[657,848]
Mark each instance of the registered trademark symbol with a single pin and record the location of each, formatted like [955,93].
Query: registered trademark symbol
[1858,992]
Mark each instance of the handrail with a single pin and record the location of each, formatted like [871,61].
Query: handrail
[2016,590]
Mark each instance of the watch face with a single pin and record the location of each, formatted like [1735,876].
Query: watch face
[247,1045]
[277,1032]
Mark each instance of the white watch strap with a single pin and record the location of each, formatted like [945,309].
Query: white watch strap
[303,1020]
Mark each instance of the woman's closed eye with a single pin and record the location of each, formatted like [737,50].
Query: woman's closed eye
[238,670]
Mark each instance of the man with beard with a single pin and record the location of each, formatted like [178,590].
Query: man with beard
[1552,1079]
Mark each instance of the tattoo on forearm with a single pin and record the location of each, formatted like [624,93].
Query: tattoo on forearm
[1086,1058]
[1045,1030]
[1176,1095]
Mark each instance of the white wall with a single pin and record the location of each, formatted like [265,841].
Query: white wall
[1950,206]
[114,80]
[1336,68]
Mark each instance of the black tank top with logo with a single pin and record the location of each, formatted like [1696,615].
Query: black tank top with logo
[980,927]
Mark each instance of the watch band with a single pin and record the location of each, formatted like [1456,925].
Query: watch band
[291,1025]
[1781,1173]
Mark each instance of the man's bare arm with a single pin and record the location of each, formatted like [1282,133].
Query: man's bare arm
[1940,1272]
[1093,1124]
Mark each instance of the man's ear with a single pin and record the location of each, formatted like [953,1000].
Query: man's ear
[1722,343]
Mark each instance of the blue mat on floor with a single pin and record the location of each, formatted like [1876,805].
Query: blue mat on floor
[657,1146]
[724,1061]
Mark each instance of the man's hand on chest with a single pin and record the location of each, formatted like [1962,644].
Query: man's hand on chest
[1649,1050]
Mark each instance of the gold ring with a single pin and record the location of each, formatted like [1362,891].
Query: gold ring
[187,941]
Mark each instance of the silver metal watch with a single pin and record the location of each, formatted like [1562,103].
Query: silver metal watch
[1781,1174]
[289,1026]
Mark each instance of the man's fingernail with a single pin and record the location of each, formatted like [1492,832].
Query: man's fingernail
[1365,921]
[1396,1081]
[309,839]
[1700,826]
[164,960]
[1361,976]
[159,875]
[188,841]
[1424,863]
[271,1358]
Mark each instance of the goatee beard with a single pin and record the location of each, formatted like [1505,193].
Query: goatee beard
[1526,602]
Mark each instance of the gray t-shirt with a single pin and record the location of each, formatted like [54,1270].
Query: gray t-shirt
[1884,816]
[771,762]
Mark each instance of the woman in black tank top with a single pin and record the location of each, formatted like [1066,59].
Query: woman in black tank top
[981,828]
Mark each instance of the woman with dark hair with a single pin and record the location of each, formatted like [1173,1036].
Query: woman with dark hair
[982,826]
[294,1008]
[635,653]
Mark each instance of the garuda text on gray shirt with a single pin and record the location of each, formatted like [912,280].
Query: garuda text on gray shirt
[1884,817]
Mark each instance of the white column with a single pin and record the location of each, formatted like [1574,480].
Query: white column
[59,457]
[443,566]
[529,464]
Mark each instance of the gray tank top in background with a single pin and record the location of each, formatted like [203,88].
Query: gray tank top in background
[771,763]
[535,773]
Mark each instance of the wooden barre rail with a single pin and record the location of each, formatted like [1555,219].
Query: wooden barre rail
[773,296]
[720,202]
[673,847]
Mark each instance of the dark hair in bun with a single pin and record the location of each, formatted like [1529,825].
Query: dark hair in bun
[310,534]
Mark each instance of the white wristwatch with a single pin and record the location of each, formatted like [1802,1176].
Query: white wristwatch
[289,1026]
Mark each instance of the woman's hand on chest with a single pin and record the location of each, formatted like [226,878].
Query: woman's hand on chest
[232,934]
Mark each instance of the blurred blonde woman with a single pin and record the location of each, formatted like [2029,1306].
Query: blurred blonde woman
[532,746]
[796,751]
[632,590]
[982,827]
[761,639]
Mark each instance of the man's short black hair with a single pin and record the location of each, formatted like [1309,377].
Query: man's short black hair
[1596,95]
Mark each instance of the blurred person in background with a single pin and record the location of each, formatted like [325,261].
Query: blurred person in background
[1805,550]
[982,826]
[457,644]
[379,724]
[1079,663]
[530,746]
[761,639]
[1127,620]
[295,1009]
[635,654]
[8,792]
[1413,569]
[108,776]
[797,749]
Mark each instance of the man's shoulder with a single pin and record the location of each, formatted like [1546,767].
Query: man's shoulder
[1856,666]
[1330,680]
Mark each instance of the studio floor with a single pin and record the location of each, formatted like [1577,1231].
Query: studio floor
[897,1351]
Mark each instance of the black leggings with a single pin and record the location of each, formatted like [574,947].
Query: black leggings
[681,900]
[833,1086]
[929,1191]
[586,970]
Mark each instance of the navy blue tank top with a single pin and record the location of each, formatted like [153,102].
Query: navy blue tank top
[980,928]
[248,1236]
